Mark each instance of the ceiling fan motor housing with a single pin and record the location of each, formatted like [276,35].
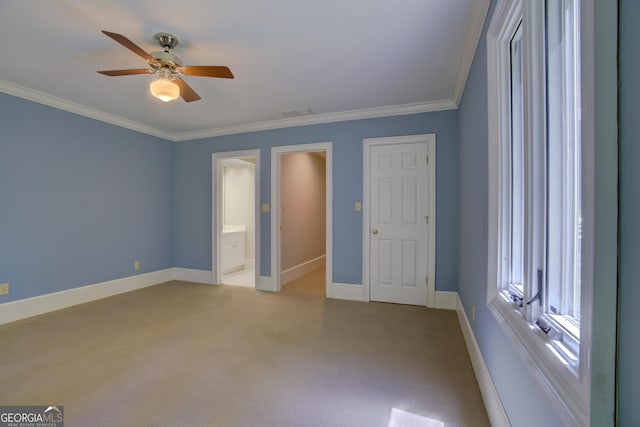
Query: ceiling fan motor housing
[166,59]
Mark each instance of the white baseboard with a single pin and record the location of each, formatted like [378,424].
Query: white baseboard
[348,291]
[28,307]
[301,269]
[495,411]
[196,276]
[446,300]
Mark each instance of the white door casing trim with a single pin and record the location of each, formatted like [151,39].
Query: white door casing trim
[276,152]
[216,210]
[430,140]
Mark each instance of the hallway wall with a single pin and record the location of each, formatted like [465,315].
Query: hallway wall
[303,208]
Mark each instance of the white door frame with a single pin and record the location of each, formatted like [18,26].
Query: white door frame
[276,152]
[430,140]
[216,210]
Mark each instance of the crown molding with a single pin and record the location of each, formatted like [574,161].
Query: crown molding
[314,119]
[72,107]
[474,33]
[83,110]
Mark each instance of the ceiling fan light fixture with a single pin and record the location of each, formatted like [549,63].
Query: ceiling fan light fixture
[164,89]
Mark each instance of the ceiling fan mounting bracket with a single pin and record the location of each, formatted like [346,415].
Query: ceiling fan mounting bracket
[167,41]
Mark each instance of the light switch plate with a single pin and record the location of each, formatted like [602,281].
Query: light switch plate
[358,207]
[265,207]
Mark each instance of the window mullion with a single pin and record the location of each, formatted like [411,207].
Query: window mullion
[515,159]
[535,148]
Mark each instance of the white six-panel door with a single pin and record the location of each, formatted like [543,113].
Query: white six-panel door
[398,223]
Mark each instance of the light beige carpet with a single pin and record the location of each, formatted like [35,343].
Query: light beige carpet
[182,354]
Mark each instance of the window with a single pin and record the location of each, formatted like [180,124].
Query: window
[536,182]
[561,302]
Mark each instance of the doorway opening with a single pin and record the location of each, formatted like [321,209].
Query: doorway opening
[301,218]
[236,232]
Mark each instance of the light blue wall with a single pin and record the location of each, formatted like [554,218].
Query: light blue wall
[629,347]
[605,262]
[192,189]
[523,399]
[80,200]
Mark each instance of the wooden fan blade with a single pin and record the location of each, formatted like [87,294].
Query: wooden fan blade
[127,72]
[207,71]
[131,46]
[186,92]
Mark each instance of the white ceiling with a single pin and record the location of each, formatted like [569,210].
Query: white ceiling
[339,58]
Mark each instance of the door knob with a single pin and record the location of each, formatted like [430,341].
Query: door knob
[374,231]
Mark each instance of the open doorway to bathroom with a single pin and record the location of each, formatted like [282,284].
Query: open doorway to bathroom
[235,221]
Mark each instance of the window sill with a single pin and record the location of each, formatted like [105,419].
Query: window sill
[568,392]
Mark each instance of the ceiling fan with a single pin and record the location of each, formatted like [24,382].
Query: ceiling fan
[168,86]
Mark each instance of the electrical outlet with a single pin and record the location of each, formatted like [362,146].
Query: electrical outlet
[358,207]
[136,265]
[4,289]
[473,314]
[265,207]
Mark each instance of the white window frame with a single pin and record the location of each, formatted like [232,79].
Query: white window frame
[568,385]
